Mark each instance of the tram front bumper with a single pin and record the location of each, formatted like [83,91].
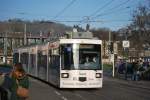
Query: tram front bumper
[78,84]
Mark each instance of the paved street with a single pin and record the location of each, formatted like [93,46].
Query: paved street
[113,89]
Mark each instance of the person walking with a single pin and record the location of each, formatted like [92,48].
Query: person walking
[19,79]
[135,75]
[5,87]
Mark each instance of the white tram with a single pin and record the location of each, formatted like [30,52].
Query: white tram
[67,63]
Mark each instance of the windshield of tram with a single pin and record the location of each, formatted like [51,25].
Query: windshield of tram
[89,56]
[81,57]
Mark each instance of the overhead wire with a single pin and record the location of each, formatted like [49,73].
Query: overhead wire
[113,12]
[99,9]
[64,9]
[92,17]
[102,21]
[115,7]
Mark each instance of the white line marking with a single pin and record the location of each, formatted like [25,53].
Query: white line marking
[78,95]
[64,98]
[57,93]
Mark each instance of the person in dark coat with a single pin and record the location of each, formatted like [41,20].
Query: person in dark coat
[135,75]
[5,83]
[19,77]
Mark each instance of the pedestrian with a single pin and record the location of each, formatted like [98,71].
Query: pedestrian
[135,75]
[5,82]
[6,87]
[19,79]
[3,92]
[129,70]
[117,64]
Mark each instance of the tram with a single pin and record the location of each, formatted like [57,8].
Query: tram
[73,62]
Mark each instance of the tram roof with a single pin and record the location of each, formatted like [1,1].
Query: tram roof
[70,37]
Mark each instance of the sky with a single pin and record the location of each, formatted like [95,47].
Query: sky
[112,14]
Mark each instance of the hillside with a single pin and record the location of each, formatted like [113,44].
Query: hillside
[34,27]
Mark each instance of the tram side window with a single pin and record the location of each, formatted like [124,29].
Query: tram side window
[32,64]
[42,58]
[16,58]
[24,58]
[39,58]
[54,58]
[66,56]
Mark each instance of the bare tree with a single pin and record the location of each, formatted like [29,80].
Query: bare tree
[141,25]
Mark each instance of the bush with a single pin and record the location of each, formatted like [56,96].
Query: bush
[107,67]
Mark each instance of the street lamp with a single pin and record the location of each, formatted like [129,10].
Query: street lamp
[5,49]
[111,54]
[126,45]
[25,27]
[25,34]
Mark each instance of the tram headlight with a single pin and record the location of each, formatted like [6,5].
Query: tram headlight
[98,75]
[65,75]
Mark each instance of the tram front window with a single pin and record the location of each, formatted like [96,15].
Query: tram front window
[67,56]
[80,57]
[89,56]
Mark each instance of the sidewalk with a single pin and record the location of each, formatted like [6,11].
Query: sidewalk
[138,84]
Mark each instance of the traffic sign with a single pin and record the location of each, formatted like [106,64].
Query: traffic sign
[112,57]
[126,44]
